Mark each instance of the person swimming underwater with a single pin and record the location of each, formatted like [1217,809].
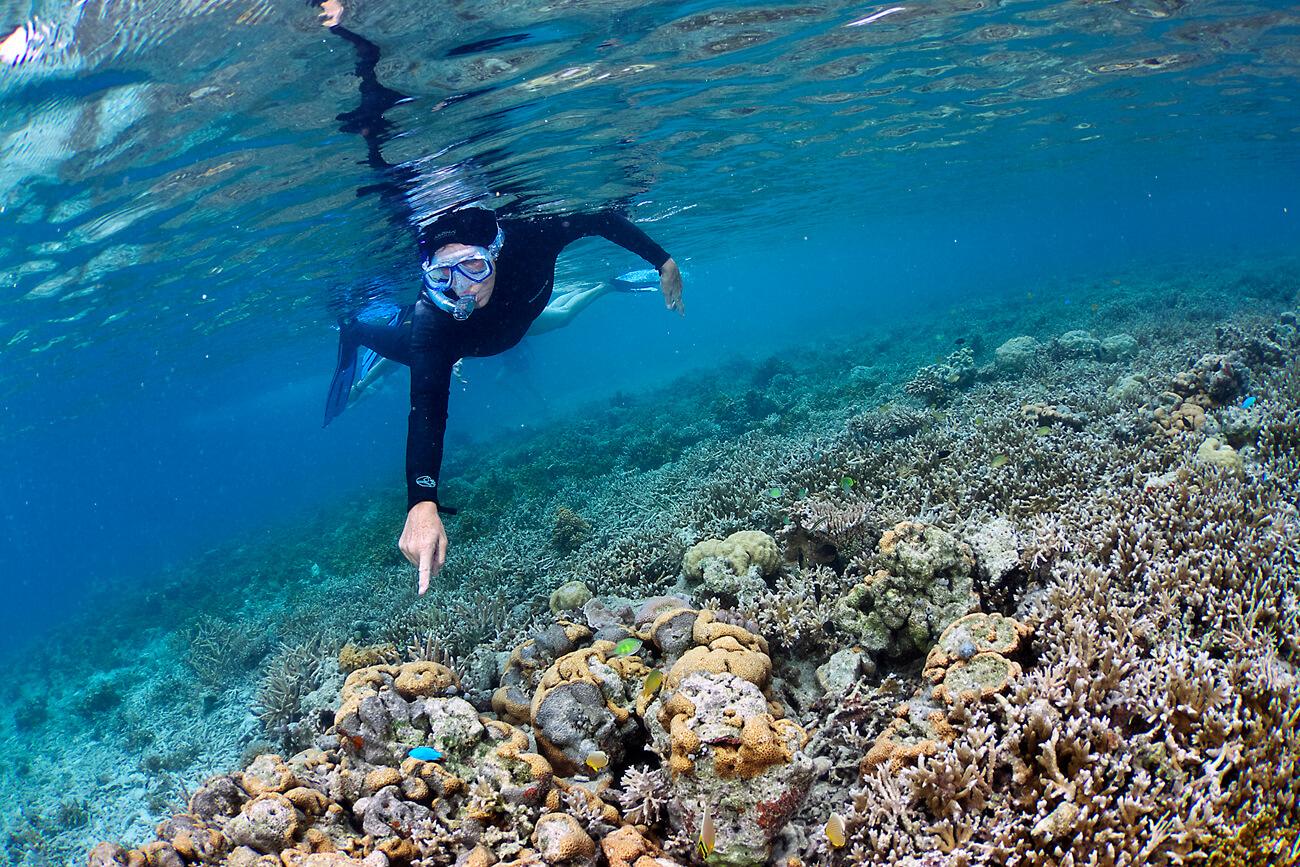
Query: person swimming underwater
[374,371]
[486,281]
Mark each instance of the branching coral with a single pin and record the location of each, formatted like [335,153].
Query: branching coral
[219,650]
[293,671]
[644,795]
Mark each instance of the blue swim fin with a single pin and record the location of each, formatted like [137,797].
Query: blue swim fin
[355,361]
[345,373]
[643,280]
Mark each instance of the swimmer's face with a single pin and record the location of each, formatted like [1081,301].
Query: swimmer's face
[482,292]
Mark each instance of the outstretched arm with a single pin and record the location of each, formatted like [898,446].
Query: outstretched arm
[613,226]
[424,540]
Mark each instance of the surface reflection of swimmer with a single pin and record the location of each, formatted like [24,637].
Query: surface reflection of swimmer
[487,283]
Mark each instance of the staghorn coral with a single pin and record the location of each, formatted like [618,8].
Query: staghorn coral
[218,650]
[292,672]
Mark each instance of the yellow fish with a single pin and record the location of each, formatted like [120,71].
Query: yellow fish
[998,461]
[598,761]
[835,831]
[653,681]
[708,834]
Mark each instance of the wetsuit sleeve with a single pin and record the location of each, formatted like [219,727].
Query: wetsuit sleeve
[431,363]
[613,226]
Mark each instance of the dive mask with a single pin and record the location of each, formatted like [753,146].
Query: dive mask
[447,277]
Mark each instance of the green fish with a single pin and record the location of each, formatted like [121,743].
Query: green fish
[653,681]
[998,460]
[774,493]
[847,483]
[627,646]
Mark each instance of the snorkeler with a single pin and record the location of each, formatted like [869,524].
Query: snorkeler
[486,281]
[373,370]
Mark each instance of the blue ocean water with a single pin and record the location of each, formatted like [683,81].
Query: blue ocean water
[180,221]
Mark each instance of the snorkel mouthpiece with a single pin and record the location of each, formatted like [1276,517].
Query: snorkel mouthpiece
[464,306]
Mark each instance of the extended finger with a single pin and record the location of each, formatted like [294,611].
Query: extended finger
[426,563]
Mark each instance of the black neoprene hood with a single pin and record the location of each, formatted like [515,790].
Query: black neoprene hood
[476,227]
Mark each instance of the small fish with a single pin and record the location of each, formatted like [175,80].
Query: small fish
[1248,402]
[425,754]
[942,453]
[598,761]
[847,482]
[1094,307]
[835,831]
[708,834]
[960,341]
[1043,431]
[357,741]
[315,570]
[653,681]
[774,493]
[1029,296]
[998,460]
[803,492]
[627,647]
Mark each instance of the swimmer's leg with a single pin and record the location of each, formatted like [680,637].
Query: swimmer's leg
[563,308]
[361,345]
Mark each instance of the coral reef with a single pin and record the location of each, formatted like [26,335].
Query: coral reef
[1038,612]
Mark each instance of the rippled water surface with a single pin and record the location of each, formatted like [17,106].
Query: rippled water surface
[177,167]
[182,214]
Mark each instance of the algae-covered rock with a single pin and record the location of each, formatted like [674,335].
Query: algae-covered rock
[924,584]
[843,669]
[1118,346]
[1077,344]
[727,750]
[1016,353]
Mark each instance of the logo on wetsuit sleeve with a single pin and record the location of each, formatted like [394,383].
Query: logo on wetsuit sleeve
[427,482]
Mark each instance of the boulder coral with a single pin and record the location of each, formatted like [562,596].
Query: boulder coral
[1015,354]
[580,706]
[739,552]
[726,742]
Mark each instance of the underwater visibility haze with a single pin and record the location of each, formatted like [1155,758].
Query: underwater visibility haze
[954,523]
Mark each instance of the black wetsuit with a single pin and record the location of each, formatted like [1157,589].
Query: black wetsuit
[431,342]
